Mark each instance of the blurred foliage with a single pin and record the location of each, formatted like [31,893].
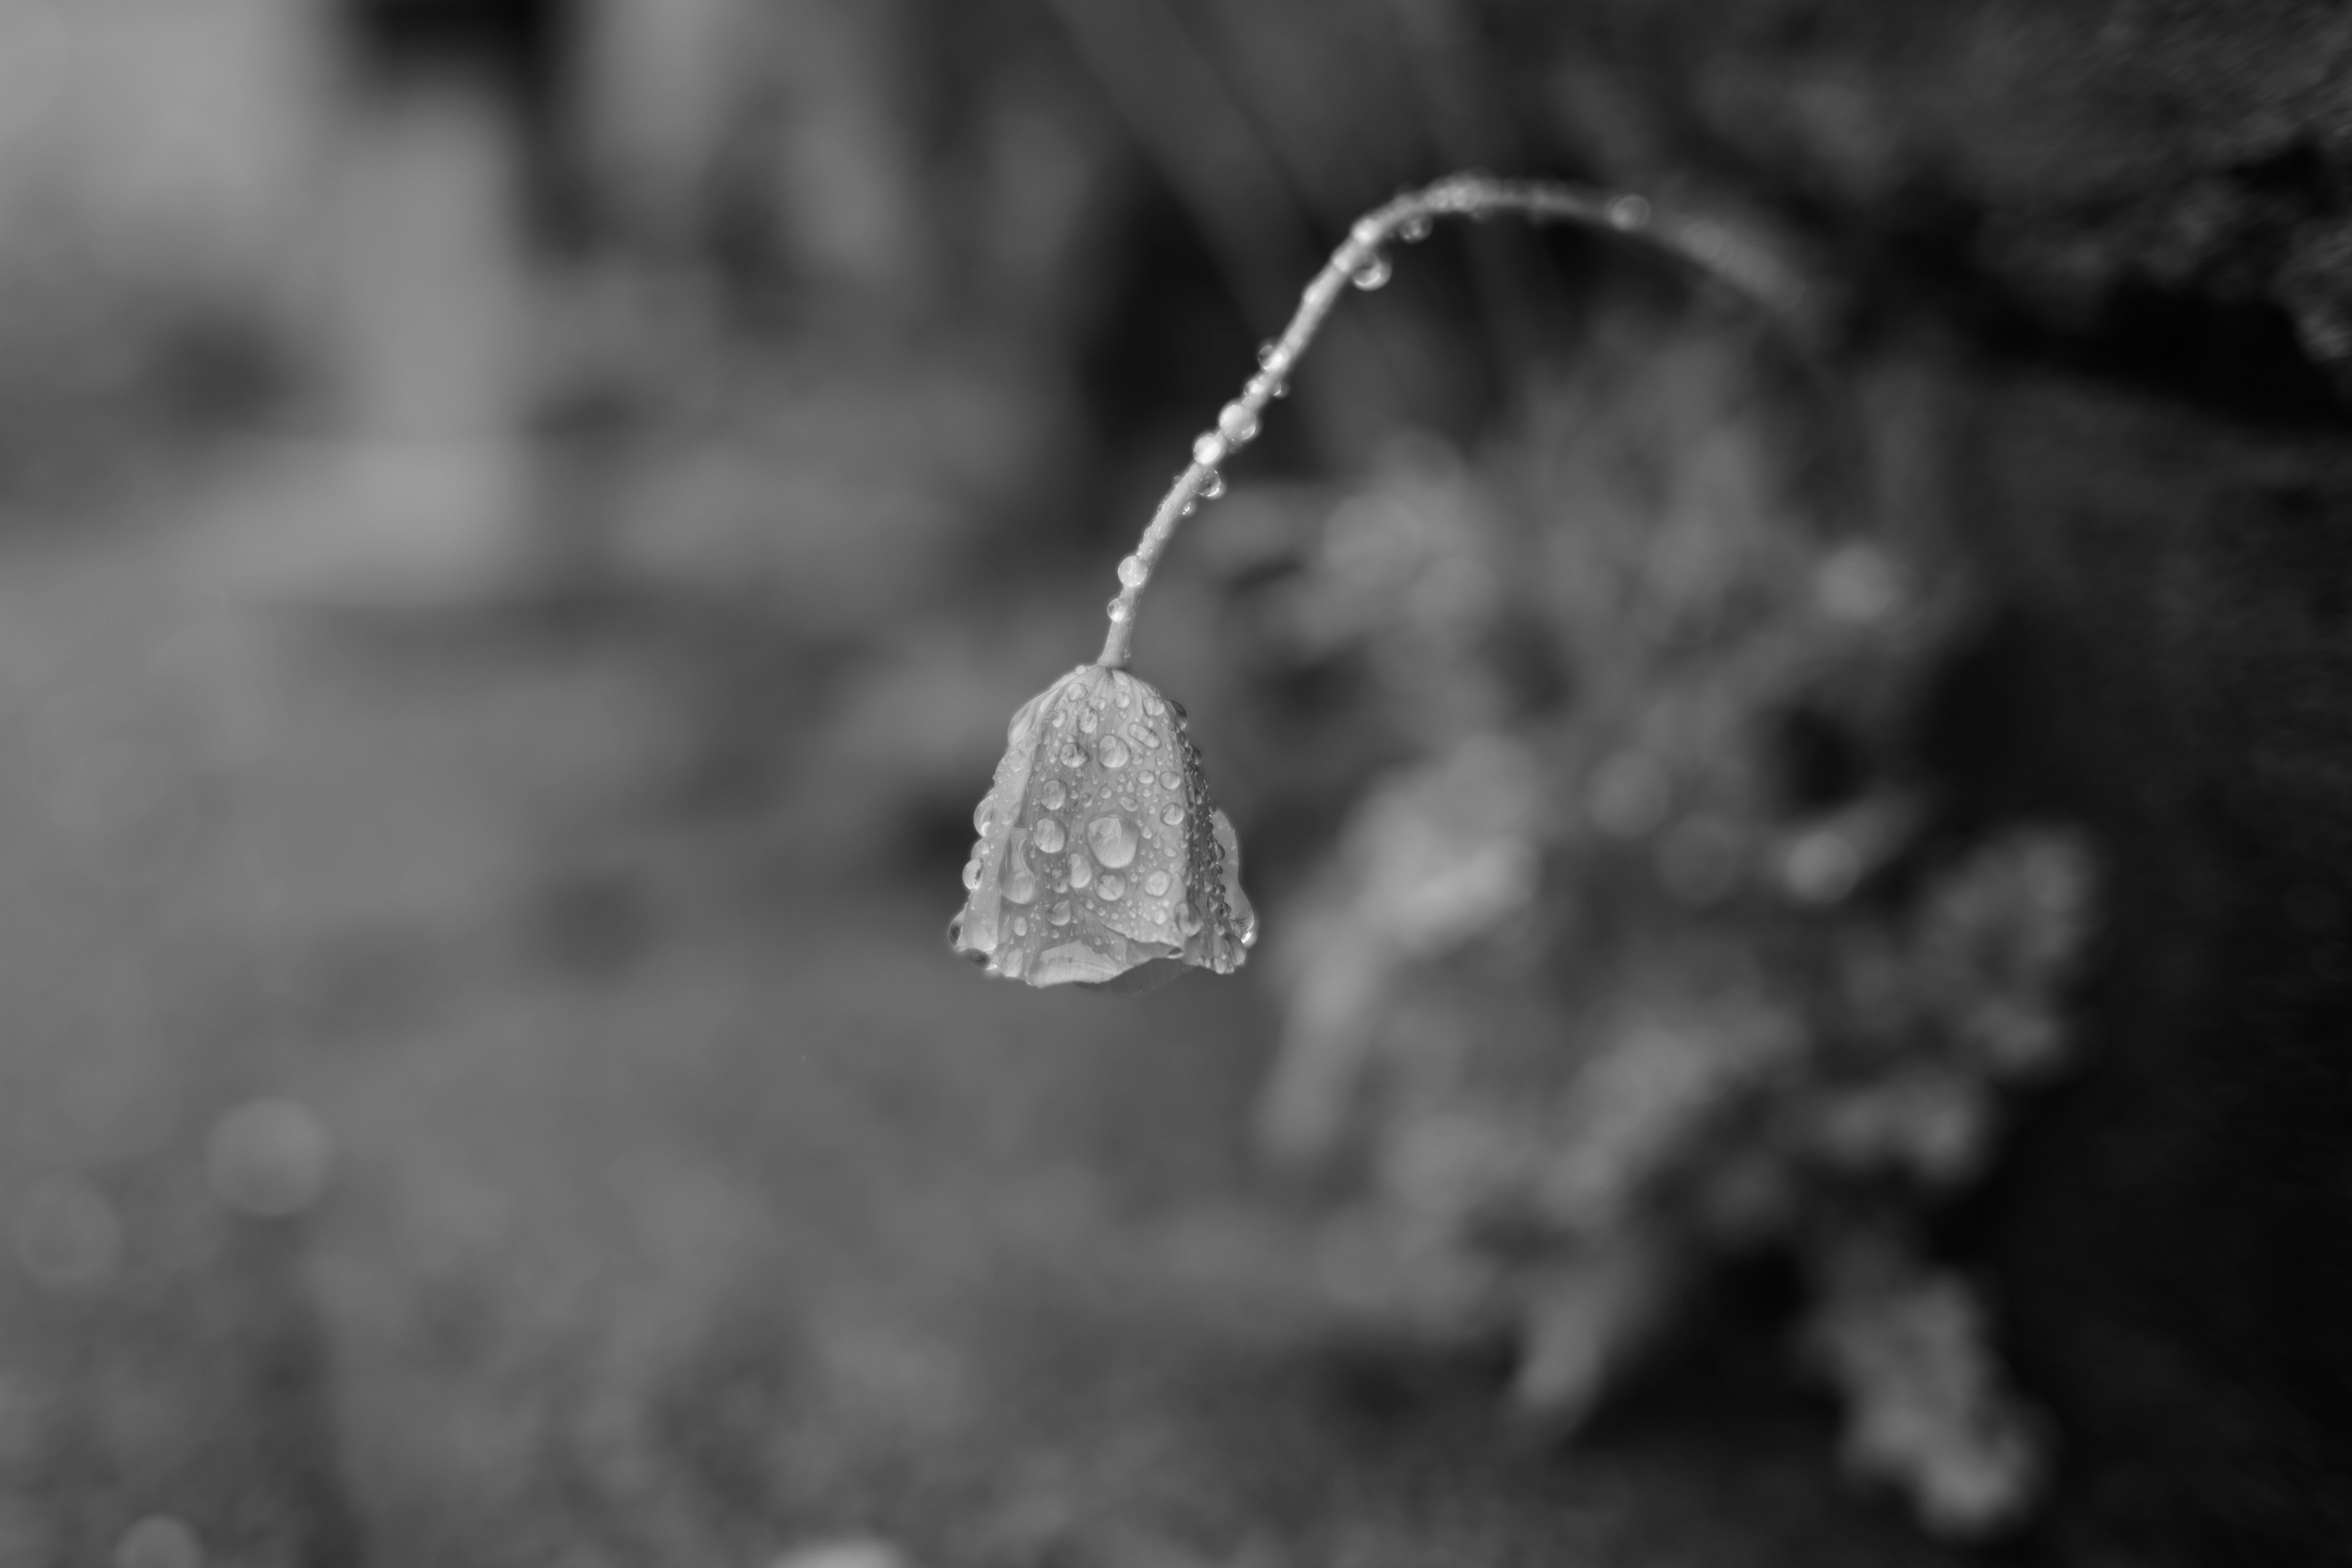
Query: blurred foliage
[1661,949]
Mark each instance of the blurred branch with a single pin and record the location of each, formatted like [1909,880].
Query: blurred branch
[1202,138]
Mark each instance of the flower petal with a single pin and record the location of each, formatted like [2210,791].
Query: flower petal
[1101,861]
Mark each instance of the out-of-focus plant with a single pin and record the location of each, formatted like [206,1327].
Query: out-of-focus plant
[1681,964]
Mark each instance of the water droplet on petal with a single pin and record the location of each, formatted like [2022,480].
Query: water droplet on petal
[1112,886]
[1047,835]
[1156,883]
[1073,758]
[971,874]
[1153,706]
[1051,795]
[984,813]
[1147,737]
[1020,882]
[1373,273]
[1171,814]
[1090,721]
[1132,571]
[1060,914]
[1113,753]
[1188,920]
[1015,961]
[1168,779]
[1019,925]
[1113,840]
[1082,871]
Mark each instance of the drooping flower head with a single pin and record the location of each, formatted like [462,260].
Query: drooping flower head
[1101,860]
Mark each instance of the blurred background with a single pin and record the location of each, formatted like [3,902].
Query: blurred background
[1796,841]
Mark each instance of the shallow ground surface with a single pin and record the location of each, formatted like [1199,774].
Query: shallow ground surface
[660,1192]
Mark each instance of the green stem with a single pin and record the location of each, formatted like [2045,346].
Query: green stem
[1361,258]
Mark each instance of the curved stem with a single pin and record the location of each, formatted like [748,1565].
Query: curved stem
[1361,261]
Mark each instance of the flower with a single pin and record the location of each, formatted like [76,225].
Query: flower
[1101,860]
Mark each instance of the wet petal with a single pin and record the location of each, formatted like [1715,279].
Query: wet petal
[1100,815]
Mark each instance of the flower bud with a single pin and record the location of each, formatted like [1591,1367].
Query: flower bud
[1101,861]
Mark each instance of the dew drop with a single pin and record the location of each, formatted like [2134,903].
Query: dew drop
[1236,422]
[1047,835]
[1113,840]
[1132,571]
[1118,611]
[1051,795]
[1090,721]
[1414,230]
[1082,871]
[1019,925]
[1073,758]
[1156,883]
[1150,741]
[971,873]
[1208,449]
[1060,914]
[1372,274]
[1112,886]
[984,813]
[1171,814]
[1212,487]
[1113,753]
[1015,961]
[1160,916]
[1269,355]
[1188,920]
[1153,706]
[1020,882]
[1168,779]
[1628,212]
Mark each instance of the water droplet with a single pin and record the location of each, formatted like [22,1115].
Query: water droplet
[1188,919]
[1212,487]
[1019,925]
[1112,886]
[1020,883]
[1150,739]
[1090,721]
[1082,870]
[982,814]
[1153,706]
[1118,611]
[1127,802]
[1113,753]
[1051,795]
[1047,835]
[1160,916]
[1366,232]
[1210,448]
[1269,355]
[1628,213]
[971,874]
[1414,230]
[1132,571]
[1060,914]
[1156,883]
[1015,961]
[1236,422]
[1372,274]
[1171,814]
[1073,758]
[1113,840]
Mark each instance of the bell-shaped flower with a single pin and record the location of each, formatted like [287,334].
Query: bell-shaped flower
[1101,860]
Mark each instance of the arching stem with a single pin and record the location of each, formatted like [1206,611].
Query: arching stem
[1362,260]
